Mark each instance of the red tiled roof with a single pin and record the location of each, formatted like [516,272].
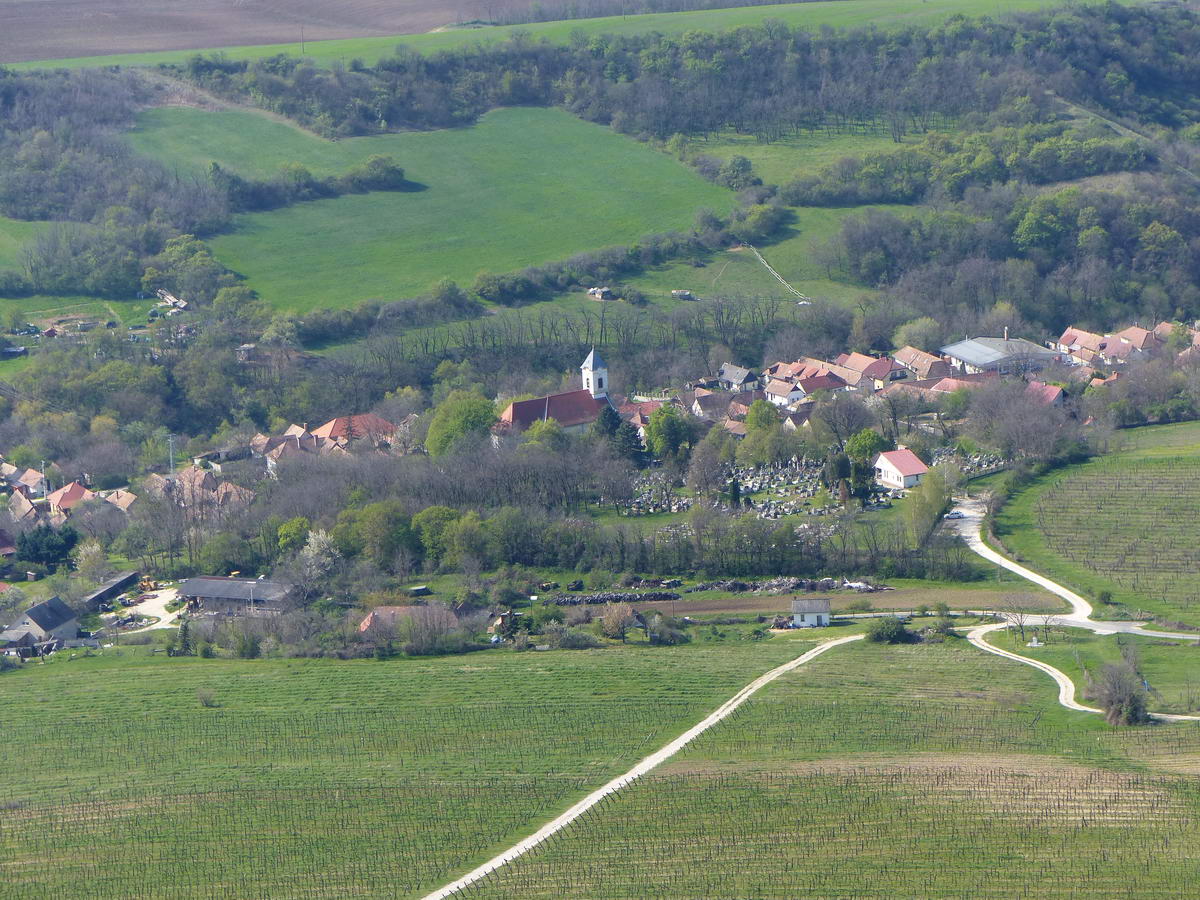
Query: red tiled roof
[903,461]
[871,366]
[572,408]
[826,382]
[70,495]
[922,364]
[358,426]
[1045,394]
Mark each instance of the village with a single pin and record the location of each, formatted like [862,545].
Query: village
[918,382]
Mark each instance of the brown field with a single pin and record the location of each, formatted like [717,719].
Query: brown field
[903,599]
[57,29]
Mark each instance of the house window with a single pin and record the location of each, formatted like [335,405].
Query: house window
[600,383]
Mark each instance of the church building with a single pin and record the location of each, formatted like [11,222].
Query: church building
[574,411]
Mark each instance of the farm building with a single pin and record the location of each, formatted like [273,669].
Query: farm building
[220,595]
[1007,356]
[118,584]
[50,620]
[899,469]
[810,613]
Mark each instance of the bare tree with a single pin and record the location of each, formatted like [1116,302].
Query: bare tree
[1120,693]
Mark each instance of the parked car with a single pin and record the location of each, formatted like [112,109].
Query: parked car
[955,514]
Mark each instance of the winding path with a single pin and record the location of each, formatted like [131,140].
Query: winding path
[654,759]
[970,527]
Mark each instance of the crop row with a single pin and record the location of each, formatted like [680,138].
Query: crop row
[829,834]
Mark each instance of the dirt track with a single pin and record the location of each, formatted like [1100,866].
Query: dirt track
[58,29]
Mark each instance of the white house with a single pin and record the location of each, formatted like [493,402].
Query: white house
[810,613]
[899,469]
[783,393]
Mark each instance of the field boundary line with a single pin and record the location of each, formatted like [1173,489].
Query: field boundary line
[621,781]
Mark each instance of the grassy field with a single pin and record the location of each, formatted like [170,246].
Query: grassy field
[305,769]
[524,186]
[1123,523]
[797,155]
[13,236]
[913,771]
[835,13]
[1169,667]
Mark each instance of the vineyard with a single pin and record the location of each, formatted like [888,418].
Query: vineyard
[321,778]
[927,770]
[1123,524]
[888,832]
[1132,522]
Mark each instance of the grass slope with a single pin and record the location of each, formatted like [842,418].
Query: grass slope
[911,771]
[322,777]
[524,186]
[1123,523]
[835,13]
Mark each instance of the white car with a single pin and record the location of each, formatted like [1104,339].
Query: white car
[955,514]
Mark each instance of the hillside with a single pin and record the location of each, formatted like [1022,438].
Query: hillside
[524,186]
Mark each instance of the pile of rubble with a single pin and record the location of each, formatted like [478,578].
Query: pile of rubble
[610,597]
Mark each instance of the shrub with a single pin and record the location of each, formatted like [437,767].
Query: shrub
[207,697]
[889,630]
[561,637]
[207,651]
[1121,694]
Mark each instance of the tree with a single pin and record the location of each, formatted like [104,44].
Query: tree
[888,630]
[607,423]
[546,434]
[761,415]
[316,561]
[706,474]
[1121,693]
[91,562]
[293,533]
[618,617]
[46,546]
[462,417]
[923,333]
[432,524]
[668,432]
[185,646]
[866,445]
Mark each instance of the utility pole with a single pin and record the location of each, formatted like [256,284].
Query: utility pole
[170,455]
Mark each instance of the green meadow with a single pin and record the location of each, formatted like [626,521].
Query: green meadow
[834,13]
[523,186]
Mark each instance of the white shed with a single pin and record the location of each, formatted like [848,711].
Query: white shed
[810,613]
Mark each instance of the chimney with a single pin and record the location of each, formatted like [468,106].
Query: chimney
[1006,332]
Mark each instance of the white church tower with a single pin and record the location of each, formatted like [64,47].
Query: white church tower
[595,375]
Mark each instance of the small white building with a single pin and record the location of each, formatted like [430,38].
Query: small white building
[899,469]
[810,613]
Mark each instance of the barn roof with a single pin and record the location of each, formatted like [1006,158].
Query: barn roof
[50,614]
[219,587]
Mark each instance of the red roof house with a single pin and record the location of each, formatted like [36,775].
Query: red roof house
[899,469]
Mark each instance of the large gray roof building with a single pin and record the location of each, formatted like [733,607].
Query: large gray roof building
[1003,355]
